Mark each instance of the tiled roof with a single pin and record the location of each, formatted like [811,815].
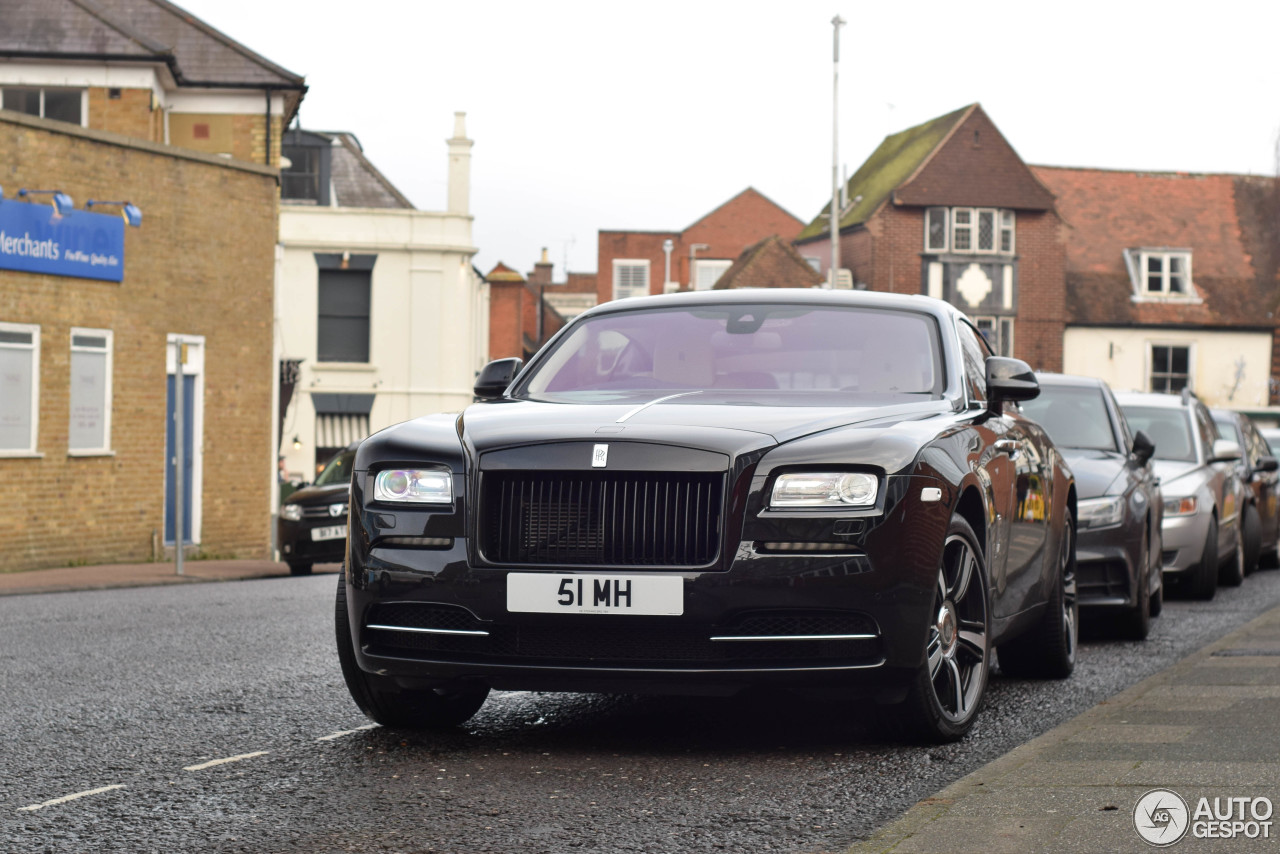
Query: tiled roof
[502,273]
[148,30]
[770,263]
[1230,223]
[895,160]
[357,183]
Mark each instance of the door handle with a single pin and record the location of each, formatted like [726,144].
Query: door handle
[1012,447]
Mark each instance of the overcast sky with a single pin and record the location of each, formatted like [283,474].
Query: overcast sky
[590,115]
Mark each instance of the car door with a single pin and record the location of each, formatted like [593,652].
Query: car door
[1266,483]
[996,468]
[1223,480]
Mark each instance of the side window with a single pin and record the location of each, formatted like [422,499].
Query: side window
[1208,430]
[975,361]
[1126,435]
[1257,445]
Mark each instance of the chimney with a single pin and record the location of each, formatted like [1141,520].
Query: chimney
[541,274]
[459,167]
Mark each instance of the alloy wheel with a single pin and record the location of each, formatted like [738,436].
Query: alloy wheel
[957,649]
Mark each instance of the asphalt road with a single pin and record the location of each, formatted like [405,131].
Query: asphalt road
[140,697]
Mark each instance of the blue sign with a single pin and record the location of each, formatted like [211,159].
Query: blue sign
[35,239]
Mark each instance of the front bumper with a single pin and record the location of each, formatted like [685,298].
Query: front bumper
[296,544]
[1184,538]
[856,616]
[1108,563]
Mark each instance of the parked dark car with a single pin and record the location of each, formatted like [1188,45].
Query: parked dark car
[1120,507]
[705,492]
[1202,494]
[1260,525]
[312,527]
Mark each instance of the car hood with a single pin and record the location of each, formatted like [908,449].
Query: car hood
[731,427]
[327,494]
[1095,470]
[1177,474]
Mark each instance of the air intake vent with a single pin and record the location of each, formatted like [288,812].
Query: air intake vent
[601,518]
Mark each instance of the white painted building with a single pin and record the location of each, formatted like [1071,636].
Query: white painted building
[380,315]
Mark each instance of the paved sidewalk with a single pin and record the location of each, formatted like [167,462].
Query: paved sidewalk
[142,575]
[1209,726]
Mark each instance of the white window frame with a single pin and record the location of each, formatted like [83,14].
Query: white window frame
[618,265]
[34,346]
[109,351]
[708,268]
[84,99]
[1139,258]
[945,213]
[1006,221]
[1003,326]
[1189,346]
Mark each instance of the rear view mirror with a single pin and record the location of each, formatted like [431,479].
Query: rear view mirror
[1225,450]
[1143,448]
[1268,463]
[1009,379]
[495,377]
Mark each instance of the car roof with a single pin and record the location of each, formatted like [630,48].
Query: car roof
[1149,398]
[1047,378]
[779,296]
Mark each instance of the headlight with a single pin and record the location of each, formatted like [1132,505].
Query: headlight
[1180,506]
[415,486]
[291,512]
[825,489]
[1101,512]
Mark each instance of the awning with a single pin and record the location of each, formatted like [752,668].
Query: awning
[338,431]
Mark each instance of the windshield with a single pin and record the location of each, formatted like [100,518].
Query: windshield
[338,469]
[1074,416]
[1169,429]
[780,354]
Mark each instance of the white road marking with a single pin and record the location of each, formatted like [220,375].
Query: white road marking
[66,798]
[332,736]
[213,762]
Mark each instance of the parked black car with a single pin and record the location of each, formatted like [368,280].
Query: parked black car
[702,492]
[1120,508]
[1256,468]
[312,527]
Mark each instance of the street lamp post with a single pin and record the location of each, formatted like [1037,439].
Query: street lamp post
[667,246]
[837,22]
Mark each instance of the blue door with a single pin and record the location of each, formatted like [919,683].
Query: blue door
[188,448]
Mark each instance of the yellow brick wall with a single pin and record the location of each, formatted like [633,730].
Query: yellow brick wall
[130,114]
[201,264]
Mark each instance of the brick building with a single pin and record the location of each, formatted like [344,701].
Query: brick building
[84,467]
[137,101]
[634,263]
[771,263]
[947,208]
[514,302]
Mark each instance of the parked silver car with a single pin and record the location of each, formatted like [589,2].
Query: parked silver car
[1203,495]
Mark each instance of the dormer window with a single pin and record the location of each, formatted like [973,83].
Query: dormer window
[305,178]
[1160,273]
[987,231]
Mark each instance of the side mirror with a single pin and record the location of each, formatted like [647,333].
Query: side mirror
[1009,379]
[495,377]
[1267,464]
[1225,450]
[1143,448]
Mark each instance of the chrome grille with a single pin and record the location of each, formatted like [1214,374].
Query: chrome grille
[601,518]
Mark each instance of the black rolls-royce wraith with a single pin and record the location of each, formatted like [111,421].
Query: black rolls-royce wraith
[704,492]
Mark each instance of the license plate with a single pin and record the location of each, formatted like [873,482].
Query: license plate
[547,593]
[333,532]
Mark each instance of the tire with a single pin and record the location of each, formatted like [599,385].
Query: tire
[297,567]
[1136,623]
[1231,573]
[1048,649]
[1252,534]
[1202,581]
[946,693]
[1157,601]
[385,703]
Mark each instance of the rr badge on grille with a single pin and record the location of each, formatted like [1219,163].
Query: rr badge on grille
[600,457]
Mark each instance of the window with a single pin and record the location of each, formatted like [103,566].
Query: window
[998,333]
[1164,273]
[983,230]
[343,331]
[301,178]
[19,387]
[707,273]
[630,278]
[975,363]
[64,105]
[814,262]
[89,430]
[1170,368]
